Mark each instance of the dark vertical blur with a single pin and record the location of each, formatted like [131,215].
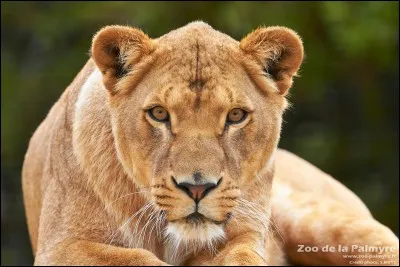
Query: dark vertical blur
[345,116]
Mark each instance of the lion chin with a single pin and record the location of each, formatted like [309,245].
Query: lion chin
[198,231]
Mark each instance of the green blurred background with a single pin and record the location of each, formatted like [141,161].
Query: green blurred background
[345,118]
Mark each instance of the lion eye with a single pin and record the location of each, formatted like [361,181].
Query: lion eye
[159,114]
[236,115]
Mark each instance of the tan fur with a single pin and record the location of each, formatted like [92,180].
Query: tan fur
[97,175]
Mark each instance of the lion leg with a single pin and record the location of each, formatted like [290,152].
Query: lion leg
[243,250]
[326,232]
[73,230]
[83,252]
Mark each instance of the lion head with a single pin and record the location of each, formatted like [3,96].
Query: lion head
[196,116]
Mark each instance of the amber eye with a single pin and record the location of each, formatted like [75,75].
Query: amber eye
[236,115]
[159,114]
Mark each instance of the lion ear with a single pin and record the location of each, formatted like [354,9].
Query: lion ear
[278,50]
[116,49]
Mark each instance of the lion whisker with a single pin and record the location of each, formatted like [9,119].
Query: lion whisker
[112,236]
[149,220]
[154,225]
[150,204]
[133,193]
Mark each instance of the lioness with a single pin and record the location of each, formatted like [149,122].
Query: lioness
[164,151]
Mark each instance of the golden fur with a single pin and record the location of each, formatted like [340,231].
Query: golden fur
[97,175]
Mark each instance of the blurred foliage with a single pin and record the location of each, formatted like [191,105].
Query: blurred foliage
[345,116]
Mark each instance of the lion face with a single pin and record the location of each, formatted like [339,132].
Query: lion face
[195,116]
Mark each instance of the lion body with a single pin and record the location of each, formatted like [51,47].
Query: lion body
[79,197]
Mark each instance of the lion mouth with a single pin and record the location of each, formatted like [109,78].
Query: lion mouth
[197,218]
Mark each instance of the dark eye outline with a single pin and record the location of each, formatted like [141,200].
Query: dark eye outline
[229,122]
[149,111]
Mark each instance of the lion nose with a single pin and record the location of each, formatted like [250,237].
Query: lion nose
[195,191]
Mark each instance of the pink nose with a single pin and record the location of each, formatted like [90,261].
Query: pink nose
[196,192]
